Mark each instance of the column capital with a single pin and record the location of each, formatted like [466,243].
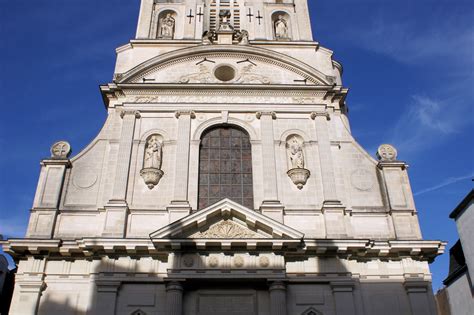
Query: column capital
[277,285]
[174,286]
[31,286]
[415,286]
[191,113]
[107,286]
[260,114]
[342,286]
[313,115]
[125,112]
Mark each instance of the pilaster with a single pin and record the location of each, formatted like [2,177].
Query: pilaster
[343,297]
[180,206]
[277,292]
[106,297]
[271,205]
[419,297]
[399,196]
[48,195]
[174,298]
[117,207]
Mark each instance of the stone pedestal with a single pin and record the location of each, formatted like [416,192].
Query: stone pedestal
[48,196]
[174,298]
[277,291]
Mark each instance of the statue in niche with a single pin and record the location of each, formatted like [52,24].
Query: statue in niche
[151,172]
[281,28]
[296,153]
[297,173]
[167,26]
[153,153]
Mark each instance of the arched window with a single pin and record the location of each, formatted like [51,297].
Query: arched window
[225,167]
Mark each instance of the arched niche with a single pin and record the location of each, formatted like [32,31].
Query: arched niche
[164,24]
[225,166]
[281,25]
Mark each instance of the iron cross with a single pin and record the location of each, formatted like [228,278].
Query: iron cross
[259,17]
[250,15]
[200,14]
[190,16]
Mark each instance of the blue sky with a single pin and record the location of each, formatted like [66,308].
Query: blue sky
[408,64]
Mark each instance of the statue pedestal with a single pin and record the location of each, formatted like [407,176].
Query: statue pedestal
[299,176]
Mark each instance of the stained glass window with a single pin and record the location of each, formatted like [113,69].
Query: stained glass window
[225,167]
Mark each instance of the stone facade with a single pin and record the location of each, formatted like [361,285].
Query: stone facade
[328,229]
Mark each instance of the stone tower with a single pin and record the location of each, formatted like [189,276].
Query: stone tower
[224,181]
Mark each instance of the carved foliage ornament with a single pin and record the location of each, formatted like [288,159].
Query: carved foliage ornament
[226,229]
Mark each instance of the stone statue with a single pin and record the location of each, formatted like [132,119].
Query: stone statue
[167,26]
[296,153]
[208,37]
[242,37]
[281,28]
[153,153]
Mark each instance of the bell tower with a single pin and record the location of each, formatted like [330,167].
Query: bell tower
[283,20]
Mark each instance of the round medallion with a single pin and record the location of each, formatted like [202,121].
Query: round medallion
[361,179]
[84,177]
[213,261]
[60,150]
[264,261]
[188,261]
[387,152]
[238,261]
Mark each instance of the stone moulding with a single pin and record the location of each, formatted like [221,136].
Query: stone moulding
[351,248]
[151,176]
[299,176]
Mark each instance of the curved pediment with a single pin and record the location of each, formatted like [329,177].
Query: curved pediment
[224,64]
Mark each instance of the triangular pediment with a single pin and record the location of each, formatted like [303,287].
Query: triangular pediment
[226,219]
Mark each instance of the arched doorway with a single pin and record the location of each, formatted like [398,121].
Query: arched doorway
[225,167]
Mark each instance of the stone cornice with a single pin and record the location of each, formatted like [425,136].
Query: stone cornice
[360,249]
[153,92]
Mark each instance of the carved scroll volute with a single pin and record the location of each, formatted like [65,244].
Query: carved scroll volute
[152,160]
[296,161]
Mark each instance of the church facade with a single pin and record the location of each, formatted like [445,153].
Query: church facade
[225,181]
